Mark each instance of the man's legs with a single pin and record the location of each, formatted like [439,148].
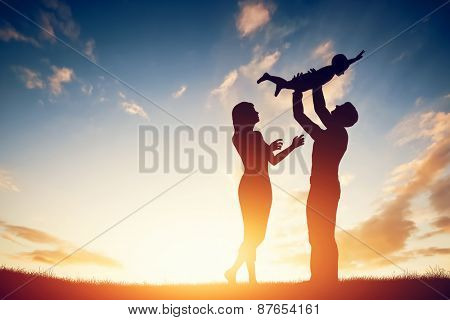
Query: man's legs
[321,218]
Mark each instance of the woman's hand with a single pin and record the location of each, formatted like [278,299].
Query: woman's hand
[276,145]
[298,141]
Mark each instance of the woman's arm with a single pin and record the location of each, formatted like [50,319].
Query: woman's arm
[296,142]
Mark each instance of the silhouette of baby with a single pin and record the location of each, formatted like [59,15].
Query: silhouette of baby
[312,79]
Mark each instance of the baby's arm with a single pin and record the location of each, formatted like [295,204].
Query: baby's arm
[358,57]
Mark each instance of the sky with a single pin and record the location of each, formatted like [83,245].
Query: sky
[79,79]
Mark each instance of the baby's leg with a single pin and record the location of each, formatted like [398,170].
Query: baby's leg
[279,82]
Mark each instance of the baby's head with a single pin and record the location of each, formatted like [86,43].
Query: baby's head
[340,63]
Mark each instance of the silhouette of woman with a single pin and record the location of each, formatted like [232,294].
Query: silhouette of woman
[255,191]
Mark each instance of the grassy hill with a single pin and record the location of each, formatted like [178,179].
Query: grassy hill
[431,286]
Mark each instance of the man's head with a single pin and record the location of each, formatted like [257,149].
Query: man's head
[340,63]
[345,114]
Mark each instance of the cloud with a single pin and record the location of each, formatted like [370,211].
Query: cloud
[61,248]
[133,108]
[89,48]
[389,229]
[59,17]
[87,89]
[280,32]
[430,124]
[45,22]
[7,182]
[324,51]
[29,234]
[252,17]
[259,64]
[441,225]
[335,90]
[179,92]
[227,83]
[80,257]
[9,33]
[432,251]
[419,101]
[346,178]
[439,197]
[400,57]
[60,75]
[440,201]
[32,79]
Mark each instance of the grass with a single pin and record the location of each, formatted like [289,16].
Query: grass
[435,284]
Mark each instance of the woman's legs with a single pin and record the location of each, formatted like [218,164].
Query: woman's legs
[247,254]
[251,271]
[255,215]
[230,274]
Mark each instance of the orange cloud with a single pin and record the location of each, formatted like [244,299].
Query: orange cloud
[59,17]
[432,251]
[177,94]
[260,63]
[60,75]
[29,234]
[89,49]
[32,79]
[252,17]
[62,249]
[388,230]
[324,51]
[81,257]
[227,83]
[7,182]
[439,197]
[9,33]
[132,107]
[440,201]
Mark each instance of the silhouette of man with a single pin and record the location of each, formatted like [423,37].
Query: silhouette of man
[328,149]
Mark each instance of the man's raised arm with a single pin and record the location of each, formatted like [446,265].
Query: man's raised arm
[310,127]
[320,107]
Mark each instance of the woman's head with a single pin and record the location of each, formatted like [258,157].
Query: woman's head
[244,115]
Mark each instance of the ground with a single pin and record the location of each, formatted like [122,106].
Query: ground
[16,284]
